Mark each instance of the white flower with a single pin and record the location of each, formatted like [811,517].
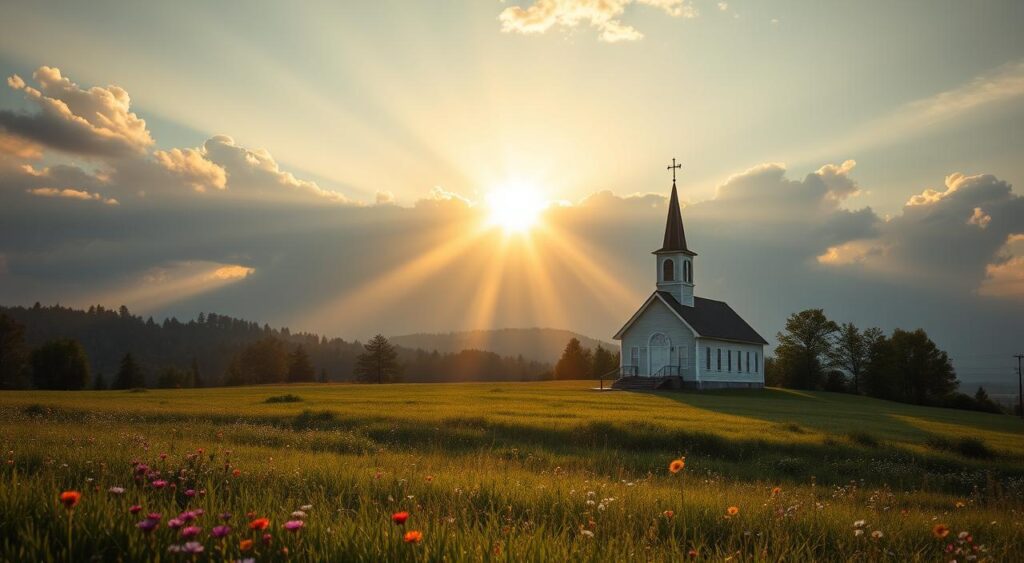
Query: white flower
[591,503]
[116,490]
[306,507]
[962,535]
[859,524]
[877,534]
[299,515]
[586,533]
[858,533]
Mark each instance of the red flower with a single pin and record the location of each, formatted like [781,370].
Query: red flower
[70,498]
[259,524]
[399,517]
[412,536]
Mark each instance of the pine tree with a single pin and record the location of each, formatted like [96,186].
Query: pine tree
[299,367]
[379,363]
[129,375]
[60,364]
[603,363]
[194,373]
[574,363]
[99,384]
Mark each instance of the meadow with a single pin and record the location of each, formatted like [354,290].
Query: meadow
[503,472]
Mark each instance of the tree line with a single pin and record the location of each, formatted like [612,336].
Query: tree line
[815,352]
[578,362]
[56,347]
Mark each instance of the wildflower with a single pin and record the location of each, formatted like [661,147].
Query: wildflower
[190,493]
[429,478]
[399,517]
[70,498]
[154,516]
[116,490]
[236,472]
[692,553]
[192,547]
[306,507]
[135,509]
[963,535]
[159,484]
[187,516]
[220,531]
[245,545]
[147,525]
[225,516]
[776,490]
[175,523]
[163,457]
[732,510]
[259,524]
[586,533]
[677,465]
[266,539]
[298,514]
[960,504]
[412,536]
[190,531]
[877,535]
[294,525]
[858,533]
[668,514]
[859,524]
[940,531]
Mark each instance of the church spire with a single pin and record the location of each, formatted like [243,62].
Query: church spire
[675,236]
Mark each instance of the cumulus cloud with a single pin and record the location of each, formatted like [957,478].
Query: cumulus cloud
[72,194]
[92,122]
[384,197]
[192,167]
[603,15]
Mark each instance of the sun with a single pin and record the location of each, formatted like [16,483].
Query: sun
[515,207]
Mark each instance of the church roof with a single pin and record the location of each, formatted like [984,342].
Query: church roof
[675,235]
[708,319]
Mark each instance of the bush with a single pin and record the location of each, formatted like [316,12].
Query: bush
[309,420]
[968,447]
[863,439]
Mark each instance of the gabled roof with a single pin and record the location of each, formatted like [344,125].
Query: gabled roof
[707,318]
[675,235]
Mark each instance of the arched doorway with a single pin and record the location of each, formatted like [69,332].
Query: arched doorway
[659,349]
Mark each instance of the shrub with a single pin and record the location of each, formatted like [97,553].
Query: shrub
[289,398]
[967,447]
[309,420]
[863,439]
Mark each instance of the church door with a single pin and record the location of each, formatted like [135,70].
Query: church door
[659,350]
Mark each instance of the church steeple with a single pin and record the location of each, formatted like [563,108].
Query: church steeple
[674,259]
[675,235]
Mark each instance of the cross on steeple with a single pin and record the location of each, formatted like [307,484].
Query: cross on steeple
[673,168]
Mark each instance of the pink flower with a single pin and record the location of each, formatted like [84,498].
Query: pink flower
[220,531]
[163,457]
[135,509]
[154,516]
[190,532]
[266,539]
[148,525]
[190,493]
[175,523]
[294,525]
[192,547]
[187,516]
[159,484]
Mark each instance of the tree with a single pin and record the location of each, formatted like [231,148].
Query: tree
[804,347]
[983,403]
[60,364]
[174,378]
[13,353]
[924,373]
[299,367]
[850,352]
[194,373]
[574,363]
[379,363]
[99,384]
[129,374]
[603,362]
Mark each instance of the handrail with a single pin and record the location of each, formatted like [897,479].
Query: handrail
[668,371]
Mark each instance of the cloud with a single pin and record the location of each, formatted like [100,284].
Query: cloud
[72,194]
[979,218]
[1005,277]
[384,197]
[93,122]
[603,15]
[18,147]
[192,166]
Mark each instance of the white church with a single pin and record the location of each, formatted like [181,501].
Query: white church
[676,339]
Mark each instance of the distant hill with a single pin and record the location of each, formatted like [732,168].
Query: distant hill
[538,344]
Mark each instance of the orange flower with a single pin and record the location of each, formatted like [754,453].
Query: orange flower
[776,491]
[236,472]
[399,517]
[70,498]
[677,465]
[960,504]
[692,553]
[412,536]
[259,524]
[668,514]
[940,531]
[732,510]
[245,545]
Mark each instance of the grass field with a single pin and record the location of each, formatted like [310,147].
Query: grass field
[509,472]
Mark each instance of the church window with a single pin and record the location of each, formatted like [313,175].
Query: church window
[707,357]
[659,339]
[668,270]
[728,360]
[634,356]
[748,362]
[756,362]
[686,271]
[739,361]
[719,359]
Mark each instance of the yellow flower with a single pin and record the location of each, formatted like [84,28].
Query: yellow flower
[677,465]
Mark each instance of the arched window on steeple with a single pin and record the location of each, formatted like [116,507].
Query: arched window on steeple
[686,271]
[668,270]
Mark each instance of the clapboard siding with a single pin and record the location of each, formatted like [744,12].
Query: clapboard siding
[735,374]
[659,318]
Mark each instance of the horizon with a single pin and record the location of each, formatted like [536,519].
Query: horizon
[383,168]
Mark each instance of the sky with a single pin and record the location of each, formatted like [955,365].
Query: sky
[361,167]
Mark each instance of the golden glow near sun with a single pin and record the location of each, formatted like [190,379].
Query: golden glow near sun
[515,207]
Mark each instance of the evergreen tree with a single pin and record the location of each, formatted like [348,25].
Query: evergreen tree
[194,374]
[323,375]
[129,374]
[379,363]
[13,353]
[603,363]
[60,364]
[99,384]
[574,363]
[804,347]
[299,367]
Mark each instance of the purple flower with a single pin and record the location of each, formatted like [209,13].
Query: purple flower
[141,469]
[147,525]
[187,516]
[190,493]
[220,531]
[190,532]
[294,525]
